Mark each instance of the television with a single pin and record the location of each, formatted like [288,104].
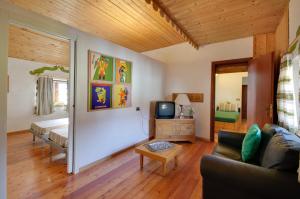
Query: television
[165,110]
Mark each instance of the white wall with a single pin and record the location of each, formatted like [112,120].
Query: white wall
[229,88]
[102,133]
[294,18]
[21,96]
[99,134]
[189,70]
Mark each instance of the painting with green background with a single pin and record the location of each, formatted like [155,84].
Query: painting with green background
[102,68]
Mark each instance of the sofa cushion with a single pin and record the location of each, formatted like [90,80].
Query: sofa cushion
[282,152]
[267,133]
[251,143]
[227,152]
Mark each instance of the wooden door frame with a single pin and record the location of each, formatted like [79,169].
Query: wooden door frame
[214,66]
[243,100]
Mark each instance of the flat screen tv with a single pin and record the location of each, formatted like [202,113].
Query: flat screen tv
[165,110]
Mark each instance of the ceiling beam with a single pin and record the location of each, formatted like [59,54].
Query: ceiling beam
[170,19]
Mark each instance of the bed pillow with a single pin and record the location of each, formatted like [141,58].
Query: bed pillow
[232,107]
[227,107]
[222,107]
[251,143]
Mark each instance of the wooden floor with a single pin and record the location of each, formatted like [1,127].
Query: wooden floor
[32,175]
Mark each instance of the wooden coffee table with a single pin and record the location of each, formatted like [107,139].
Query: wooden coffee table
[162,156]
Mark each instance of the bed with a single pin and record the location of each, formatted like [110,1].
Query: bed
[58,138]
[227,116]
[41,129]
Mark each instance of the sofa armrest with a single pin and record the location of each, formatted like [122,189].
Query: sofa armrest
[230,138]
[250,179]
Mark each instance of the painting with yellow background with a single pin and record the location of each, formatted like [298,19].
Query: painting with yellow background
[121,96]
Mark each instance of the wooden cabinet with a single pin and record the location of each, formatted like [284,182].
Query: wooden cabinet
[175,129]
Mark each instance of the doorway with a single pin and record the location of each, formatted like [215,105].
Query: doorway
[40,107]
[228,95]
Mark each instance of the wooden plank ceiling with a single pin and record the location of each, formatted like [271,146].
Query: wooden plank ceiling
[210,21]
[143,25]
[28,45]
[130,23]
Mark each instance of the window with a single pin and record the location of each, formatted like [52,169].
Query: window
[60,94]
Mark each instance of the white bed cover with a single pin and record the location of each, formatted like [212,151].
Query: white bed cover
[44,127]
[59,136]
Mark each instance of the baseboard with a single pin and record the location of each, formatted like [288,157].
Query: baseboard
[151,138]
[113,155]
[203,139]
[18,132]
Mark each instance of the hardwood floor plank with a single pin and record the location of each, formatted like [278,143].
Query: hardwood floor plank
[152,184]
[165,188]
[32,175]
[122,189]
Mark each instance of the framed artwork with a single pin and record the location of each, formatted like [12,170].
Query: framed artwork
[101,67]
[123,71]
[100,96]
[109,82]
[121,95]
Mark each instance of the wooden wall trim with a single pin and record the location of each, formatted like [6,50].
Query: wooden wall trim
[165,13]
[263,44]
[282,35]
[193,97]
[232,68]
[17,132]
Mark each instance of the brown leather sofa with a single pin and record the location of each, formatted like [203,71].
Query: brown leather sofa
[226,176]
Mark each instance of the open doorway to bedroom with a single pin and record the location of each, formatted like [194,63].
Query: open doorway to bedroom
[229,96]
[39,97]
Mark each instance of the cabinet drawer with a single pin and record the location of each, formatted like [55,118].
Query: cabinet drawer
[165,128]
[164,122]
[167,131]
[184,122]
[187,129]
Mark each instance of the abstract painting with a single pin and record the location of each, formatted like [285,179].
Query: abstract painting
[123,71]
[100,67]
[100,96]
[121,95]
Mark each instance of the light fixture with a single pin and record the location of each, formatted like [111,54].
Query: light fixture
[182,100]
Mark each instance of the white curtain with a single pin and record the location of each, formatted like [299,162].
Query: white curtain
[288,93]
[44,96]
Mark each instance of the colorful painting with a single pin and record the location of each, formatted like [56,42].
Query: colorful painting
[123,71]
[109,81]
[100,67]
[100,96]
[121,95]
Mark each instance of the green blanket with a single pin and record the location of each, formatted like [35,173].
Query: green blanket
[223,116]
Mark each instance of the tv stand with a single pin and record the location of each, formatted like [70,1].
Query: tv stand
[175,129]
